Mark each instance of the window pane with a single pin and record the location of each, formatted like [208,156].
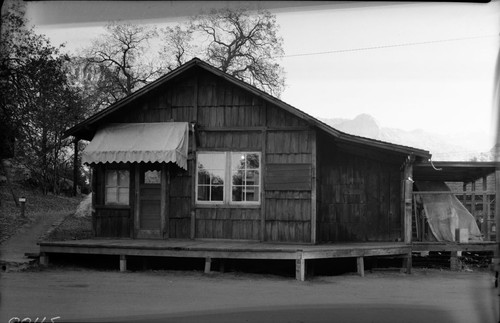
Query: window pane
[211,161]
[123,178]
[152,177]
[211,172]
[217,177]
[237,161]
[123,195]
[217,193]
[110,196]
[252,193]
[252,161]
[203,193]
[252,177]
[203,177]
[238,177]
[237,194]
[111,178]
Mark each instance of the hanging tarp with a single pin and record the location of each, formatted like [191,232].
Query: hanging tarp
[139,142]
[444,212]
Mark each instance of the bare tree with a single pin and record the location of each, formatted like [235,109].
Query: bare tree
[123,52]
[178,46]
[243,44]
[239,42]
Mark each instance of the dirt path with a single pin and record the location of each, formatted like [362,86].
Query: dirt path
[177,296]
[25,239]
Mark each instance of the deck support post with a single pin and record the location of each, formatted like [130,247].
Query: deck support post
[407,263]
[222,265]
[208,263]
[361,266]
[75,168]
[44,259]
[123,263]
[300,267]
[455,262]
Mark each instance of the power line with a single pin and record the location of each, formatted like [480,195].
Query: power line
[386,46]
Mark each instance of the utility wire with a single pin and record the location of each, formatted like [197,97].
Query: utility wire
[386,46]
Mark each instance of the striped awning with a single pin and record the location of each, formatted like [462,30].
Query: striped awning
[139,142]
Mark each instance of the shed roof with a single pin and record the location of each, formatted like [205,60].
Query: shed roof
[86,129]
[453,171]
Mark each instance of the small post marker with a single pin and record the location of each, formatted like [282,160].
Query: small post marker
[22,202]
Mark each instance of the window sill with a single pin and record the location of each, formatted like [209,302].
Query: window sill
[227,206]
[112,206]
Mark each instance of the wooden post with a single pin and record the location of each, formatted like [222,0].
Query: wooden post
[192,227]
[75,168]
[473,200]
[300,267]
[408,263]
[137,201]
[263,141]
[208,263]
[455,261]
[44,259]
[94,173]
[361,266]
[407,198]
[123,263]
[164,199]
[484,225]
[313,185]
[464,189]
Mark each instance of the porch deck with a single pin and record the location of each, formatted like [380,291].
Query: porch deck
[227,250]
[453,246]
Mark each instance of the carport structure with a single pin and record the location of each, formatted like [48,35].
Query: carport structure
[462,178]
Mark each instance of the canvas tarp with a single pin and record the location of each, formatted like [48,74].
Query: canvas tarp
[445,213]
[139,142]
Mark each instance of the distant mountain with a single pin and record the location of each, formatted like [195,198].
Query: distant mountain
[441,147]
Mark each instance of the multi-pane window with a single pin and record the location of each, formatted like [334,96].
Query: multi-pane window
[211,173]
[117,185]
[232,177]
[245,175]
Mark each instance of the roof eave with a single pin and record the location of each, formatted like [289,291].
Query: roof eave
[79,129]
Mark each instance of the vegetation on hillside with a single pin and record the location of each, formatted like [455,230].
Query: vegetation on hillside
[37,205]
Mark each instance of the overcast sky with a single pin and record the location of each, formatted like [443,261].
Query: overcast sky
[410,65]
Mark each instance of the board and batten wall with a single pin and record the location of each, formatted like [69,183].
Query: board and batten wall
[230,118]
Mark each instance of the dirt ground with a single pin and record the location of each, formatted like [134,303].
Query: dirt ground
[427,295]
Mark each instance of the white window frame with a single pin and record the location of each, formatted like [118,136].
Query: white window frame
[224,186]
[228,182]
[117,186]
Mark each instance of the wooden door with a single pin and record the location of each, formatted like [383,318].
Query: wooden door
[151,199]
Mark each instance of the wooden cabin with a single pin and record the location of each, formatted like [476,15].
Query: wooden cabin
[199,154]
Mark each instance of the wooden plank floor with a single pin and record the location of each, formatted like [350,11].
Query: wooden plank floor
[450,246]
[221,249]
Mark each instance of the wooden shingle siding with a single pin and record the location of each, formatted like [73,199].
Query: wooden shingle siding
[112,222]
[227,140]
[288,177]
[179,212]
[358,198]
[288,183]
[227,223]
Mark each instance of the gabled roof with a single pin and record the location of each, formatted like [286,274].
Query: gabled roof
[86,128]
